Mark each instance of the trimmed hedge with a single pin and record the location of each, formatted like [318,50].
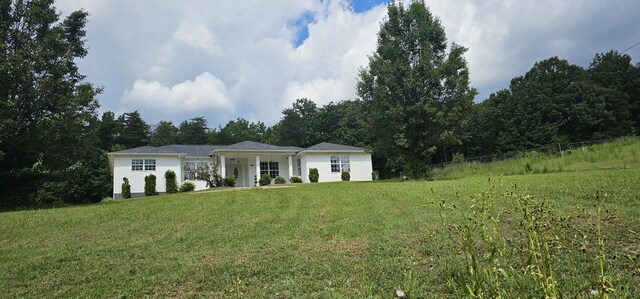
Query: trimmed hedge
[171,184]
[375,176]
[280,180]
[187,186]
[126,188]
[150,185]
[346,176]
[229,182]
[296,179]
[265,180]
[314,176]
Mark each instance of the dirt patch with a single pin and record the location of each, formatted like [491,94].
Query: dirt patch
[245,188]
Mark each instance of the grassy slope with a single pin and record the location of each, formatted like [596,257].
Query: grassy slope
[337,239]
[620,154]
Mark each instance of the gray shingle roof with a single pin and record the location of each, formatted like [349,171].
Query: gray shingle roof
[326,146]
[257,146]
[184,149]
[206,150]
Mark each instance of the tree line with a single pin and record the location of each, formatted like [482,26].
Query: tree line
[414,108]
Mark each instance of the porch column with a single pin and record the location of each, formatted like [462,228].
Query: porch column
[257,170]
[223,171]
[290,160]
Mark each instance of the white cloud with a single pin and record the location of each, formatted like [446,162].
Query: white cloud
[206,91]
[197,36]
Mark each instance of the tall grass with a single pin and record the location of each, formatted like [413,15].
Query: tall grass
[619,154]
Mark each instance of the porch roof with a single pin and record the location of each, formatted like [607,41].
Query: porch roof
[251,146]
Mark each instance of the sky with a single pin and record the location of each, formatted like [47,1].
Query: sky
[175,60]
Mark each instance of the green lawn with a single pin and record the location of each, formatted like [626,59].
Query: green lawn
[314,240]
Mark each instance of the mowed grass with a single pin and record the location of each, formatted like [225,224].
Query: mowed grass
[338,240]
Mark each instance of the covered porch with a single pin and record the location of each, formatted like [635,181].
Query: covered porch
[248,167]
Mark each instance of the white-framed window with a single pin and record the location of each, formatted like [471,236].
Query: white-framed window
[191,170]
[143,164]
[340,164]
[299,163]
[137,164]
[149,164]
[270,168]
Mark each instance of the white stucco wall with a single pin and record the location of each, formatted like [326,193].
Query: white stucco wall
[360,164]
[122,169]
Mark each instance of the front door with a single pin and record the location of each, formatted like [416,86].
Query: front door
[235,171]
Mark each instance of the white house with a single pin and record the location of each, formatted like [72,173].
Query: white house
[246,161]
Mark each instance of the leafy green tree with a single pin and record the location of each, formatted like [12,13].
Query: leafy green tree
[46,107]
[193,131]
[344,122]
[135,131]
[164,133]
[241,130]
[418,95]
[297,126]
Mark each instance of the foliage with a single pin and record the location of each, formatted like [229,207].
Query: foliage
[457,158]
[47,109]
[187,186]
[126,188]
[240,130]
[150,185]
[418,95]
[280,180]
[208,172]
[193,131]
[229,182]
[135,130]
[297,126]
[345,176]
[296,179]
[265,180]
[164,133]
[171,184]
[375,176]
[314,176]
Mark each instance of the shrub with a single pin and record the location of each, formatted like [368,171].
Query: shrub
[458,158]
[229,182]
[187,186]
[280,180]
[126,188]
[346,176]
[314,176]
[265,180]
[296,179]
[170,181]
[375,176]
[150,185]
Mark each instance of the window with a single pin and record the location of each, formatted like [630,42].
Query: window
[192,170]
[270,168]
[136,164]
[140,164]
[149,164]
[299,167]
[340,164]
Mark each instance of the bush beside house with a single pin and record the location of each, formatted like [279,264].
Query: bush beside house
[229,182]
[187,186]
[296,179]
[346,176]
[150,185]
[126,188]
[265,180]
[280,180]
[314,176]
[170,181]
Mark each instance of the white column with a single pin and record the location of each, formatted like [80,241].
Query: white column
[258,170]
[223,171]
[290,159]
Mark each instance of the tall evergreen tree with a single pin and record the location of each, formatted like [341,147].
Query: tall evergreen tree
[296,127]
[193,131]
[164,133]
[135,131]
[418,94]
[46,106]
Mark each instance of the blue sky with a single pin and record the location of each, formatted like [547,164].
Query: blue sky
[174,60]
